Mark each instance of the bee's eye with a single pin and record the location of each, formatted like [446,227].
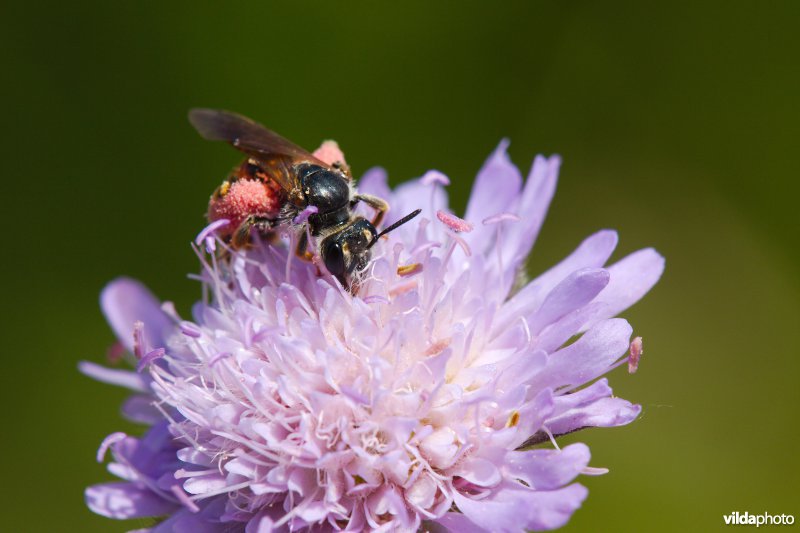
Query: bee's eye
[333,256]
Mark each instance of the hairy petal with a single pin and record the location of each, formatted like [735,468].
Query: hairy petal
[122,378]
[630,279]
[548,469]
[123,500]
[515,507]
[588,357]
[496,190]
[592,406]
[124,302]
[533,204]
[591,253]
[577,290]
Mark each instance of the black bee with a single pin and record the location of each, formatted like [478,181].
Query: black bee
[280,183]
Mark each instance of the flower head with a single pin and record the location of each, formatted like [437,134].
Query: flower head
[287,402]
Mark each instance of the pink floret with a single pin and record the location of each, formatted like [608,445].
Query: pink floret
[329,153]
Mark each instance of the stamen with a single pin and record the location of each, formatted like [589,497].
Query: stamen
[190,331]
[289,256]
[425,246]
[593,471]
[107,443]
[513,420]
[552,438]
[138,339]
[310,244]
[184,498]
[182,473]
[438,347]
[376,298]
[409,270]
[403,288]
[502,217]
[219,357]
[169,308]
[433,177]
[305,213]
[149,358]
[115,353]
[636,354]
[456,240]
[138,475]
[221,490]
[497,220]
[206,235]
[211,228]
[453,222]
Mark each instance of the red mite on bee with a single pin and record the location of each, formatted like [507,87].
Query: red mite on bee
[281,186]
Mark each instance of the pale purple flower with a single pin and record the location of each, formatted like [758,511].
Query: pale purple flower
[287,403]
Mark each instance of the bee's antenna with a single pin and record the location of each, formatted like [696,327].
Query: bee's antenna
[394,226]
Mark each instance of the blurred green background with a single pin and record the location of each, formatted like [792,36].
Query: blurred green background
[678,125]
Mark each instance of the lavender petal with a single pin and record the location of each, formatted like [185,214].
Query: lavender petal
[123,500]
[515,507]
[124,302]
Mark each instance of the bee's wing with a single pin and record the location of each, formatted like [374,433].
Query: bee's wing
[275,153]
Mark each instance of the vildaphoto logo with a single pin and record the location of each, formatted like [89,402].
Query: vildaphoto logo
[740,519]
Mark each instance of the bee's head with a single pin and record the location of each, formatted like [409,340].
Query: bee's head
[347,251]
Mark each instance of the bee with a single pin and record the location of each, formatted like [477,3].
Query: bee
[279,185]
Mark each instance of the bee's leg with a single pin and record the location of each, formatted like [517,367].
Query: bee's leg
[302,248]
[378,204]
[243,236]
